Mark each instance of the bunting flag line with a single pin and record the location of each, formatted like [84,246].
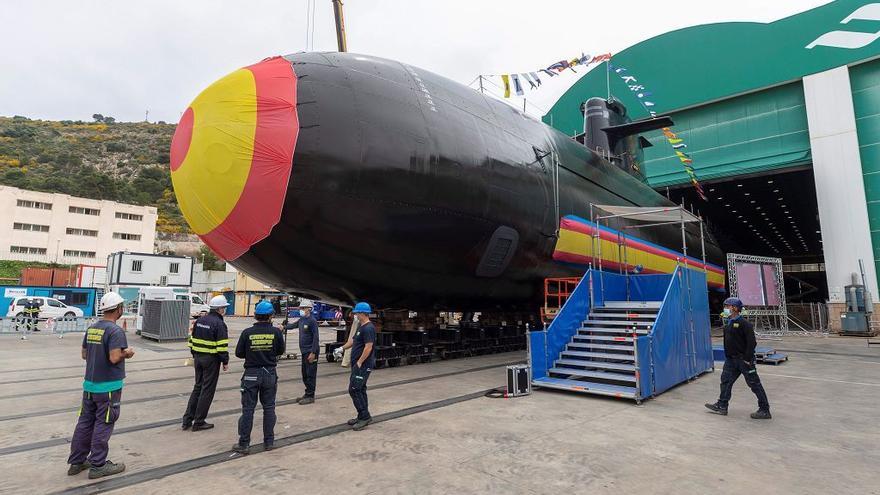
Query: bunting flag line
[677,143]
[552,70]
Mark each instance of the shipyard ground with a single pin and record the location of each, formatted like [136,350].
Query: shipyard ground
[436,433]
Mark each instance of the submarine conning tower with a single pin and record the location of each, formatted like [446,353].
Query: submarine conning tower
[610,133]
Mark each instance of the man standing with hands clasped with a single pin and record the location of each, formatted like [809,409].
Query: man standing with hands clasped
[362,361]
[739,359]
[309,348]
[209,344]
[105,350]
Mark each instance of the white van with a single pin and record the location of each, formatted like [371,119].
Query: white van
[49,308]
[197,307]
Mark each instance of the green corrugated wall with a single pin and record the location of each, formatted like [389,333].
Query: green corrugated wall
[865,81]
[738,136]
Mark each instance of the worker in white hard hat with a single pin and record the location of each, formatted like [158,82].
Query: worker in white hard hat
[309,348]
[105,350]
[209,344]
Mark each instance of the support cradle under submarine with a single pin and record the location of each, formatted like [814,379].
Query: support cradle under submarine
[343,177]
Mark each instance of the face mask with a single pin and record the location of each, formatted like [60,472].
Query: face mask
[726,313]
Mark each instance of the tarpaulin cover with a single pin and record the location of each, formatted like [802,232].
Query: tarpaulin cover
[232,154]
[577,245]
[678,353]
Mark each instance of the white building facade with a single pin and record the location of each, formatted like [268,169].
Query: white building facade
[51,227]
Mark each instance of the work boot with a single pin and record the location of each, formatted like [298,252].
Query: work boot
[306,401]
[241,449]
[202,426]
[108,469]
[351,422]
[268,446]
[360,425]
[715,408]
[761,414]
[298,399]
[75,469]
[186,425]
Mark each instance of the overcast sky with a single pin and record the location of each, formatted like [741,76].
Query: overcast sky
[70,59]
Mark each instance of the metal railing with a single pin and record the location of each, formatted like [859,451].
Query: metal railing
[25,326]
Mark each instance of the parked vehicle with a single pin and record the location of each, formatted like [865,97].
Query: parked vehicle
[49,308]
[197,307]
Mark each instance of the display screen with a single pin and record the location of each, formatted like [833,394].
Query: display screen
[756,284]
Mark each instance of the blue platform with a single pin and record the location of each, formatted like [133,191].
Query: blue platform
[626,336]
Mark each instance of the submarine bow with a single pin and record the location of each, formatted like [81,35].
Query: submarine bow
[232,153]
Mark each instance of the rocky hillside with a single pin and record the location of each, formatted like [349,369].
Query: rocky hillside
[104,159]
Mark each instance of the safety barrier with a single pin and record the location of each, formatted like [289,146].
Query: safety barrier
[24,326]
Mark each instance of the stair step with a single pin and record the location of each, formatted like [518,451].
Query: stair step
[618,323]
[623,316]
[600,355]
[602,338]
[604,375]
[626,331]
[633,304]
[597,364]
[612,347]
[587,387]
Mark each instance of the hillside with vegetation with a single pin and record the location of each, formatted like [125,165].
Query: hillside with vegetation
[103,159]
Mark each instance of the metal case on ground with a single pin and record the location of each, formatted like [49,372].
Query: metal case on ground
[519,380]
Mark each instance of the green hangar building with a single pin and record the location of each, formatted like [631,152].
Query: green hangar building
[782,122]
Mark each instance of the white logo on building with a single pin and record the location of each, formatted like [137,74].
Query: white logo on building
[850,39]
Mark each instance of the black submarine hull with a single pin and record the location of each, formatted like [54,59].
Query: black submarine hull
[408,190]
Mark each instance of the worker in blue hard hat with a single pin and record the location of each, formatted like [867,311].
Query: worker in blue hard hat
[309,348]
[259,346]
[739,359]
[363,358]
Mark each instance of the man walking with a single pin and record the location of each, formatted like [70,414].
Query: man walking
[209,345]
[309,348]
[362,361]
[739,354]
[259,346]
[105,350]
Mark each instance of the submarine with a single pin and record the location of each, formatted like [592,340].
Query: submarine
[344,177]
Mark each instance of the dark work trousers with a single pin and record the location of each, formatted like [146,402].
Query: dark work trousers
[732,369]
[207,372]
[257,383]
[309,374]
[357,389]
[97,415]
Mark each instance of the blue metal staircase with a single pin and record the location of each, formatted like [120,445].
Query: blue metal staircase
[630,349]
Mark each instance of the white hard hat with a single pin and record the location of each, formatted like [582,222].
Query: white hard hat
[218,302]
[110,300]
[305,303]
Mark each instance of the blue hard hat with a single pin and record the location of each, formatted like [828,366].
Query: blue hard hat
[362,307]
[733,301]
[264,308]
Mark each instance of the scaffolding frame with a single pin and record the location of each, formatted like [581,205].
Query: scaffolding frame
[769,320]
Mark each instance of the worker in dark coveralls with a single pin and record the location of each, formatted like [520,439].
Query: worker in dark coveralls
[309,348]
[739,359]
[209,344]
[259,346]
[105,350]
[363,358]
[32,314]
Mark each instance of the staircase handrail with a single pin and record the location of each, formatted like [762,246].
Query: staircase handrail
[545,345]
